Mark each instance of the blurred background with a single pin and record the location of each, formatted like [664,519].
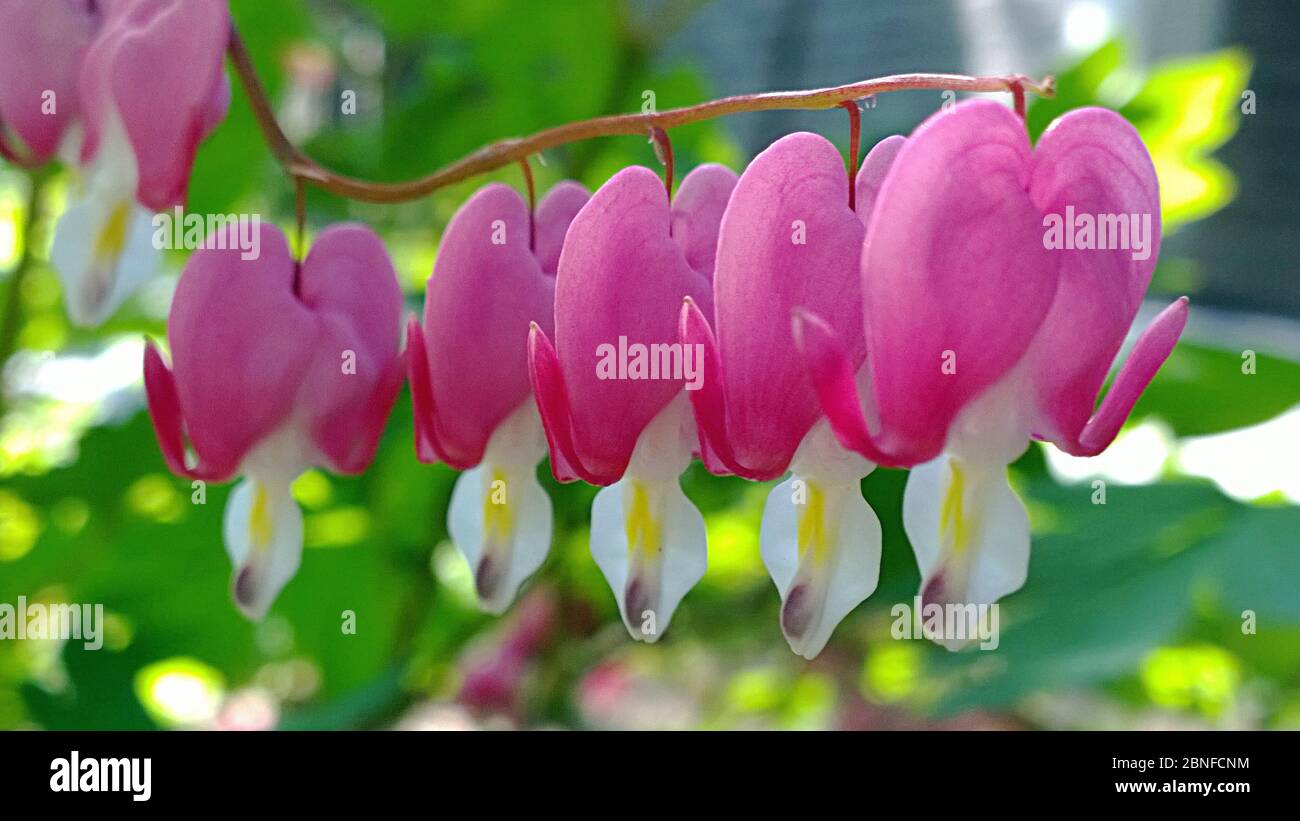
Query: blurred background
[1175,604]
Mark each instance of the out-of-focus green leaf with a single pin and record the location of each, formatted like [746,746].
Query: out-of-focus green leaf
[234,159]
[1186,109]
[1110,582]
[1079,85]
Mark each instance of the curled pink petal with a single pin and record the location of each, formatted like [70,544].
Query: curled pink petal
[164,408]
[709,402]
[428,447]
[168,423]
[1090,166]
[552,399]
[620,283]
[831,371]
[1150,352]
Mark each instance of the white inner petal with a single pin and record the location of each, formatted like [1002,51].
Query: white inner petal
[500,518]
[263,534]
[994,429]
[969,530]
[263,526]
[646,536]
[820,541]
[103,245]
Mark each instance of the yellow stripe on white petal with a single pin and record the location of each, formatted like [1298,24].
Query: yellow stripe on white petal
[103,251]
[103,247]
[820,541]
[263,526]
[500,518]
[646,536]
[969,531]
[263,534]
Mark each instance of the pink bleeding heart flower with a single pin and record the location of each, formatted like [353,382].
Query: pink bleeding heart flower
[155,70]
[982,333]
[789,240]
[149,87]
[494,683]
[41,49]
[277,366]
[610,391]
[468,365]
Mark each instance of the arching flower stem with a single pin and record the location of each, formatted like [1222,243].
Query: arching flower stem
[503,152]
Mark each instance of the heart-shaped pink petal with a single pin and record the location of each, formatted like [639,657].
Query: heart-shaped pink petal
[260,343]
[1091,165]
[487,285]
[621,281]
[788,241]
[955,277]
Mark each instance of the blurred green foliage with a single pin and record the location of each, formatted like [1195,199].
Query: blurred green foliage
[1136,604]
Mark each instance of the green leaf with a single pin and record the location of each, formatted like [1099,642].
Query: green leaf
[1186,110]
[1108,583]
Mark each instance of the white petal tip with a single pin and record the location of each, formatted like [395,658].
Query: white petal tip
[263,535]
[646,638]
[489,584]
[500,518]
[820,541]
[799,617]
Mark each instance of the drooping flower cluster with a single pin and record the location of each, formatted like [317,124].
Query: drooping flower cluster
[792,320]
[124,91]
[981,337]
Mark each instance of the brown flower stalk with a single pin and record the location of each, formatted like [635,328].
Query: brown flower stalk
[504,152]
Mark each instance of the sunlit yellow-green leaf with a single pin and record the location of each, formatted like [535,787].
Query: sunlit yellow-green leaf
[1201,677]
[180,692]
[1186,109]
[20,525]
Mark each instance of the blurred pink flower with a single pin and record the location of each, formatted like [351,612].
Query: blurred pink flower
[493,684]
[124,91]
